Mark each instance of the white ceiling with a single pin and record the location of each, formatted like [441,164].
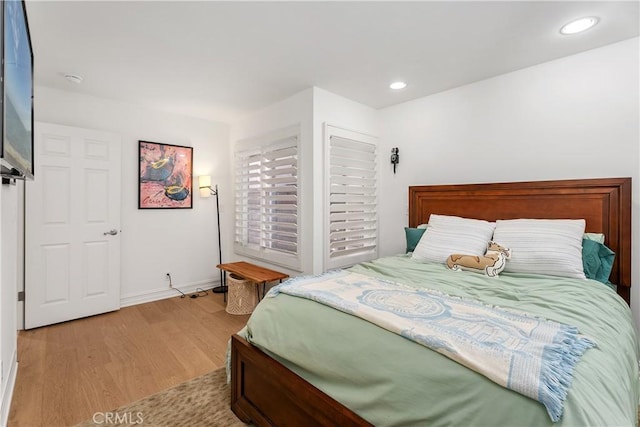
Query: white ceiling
[220,60]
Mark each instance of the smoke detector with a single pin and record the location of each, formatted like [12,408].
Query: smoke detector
[73,78]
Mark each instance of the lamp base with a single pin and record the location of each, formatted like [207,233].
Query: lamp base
[220,290]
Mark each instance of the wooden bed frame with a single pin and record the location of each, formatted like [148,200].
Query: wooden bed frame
[265,392]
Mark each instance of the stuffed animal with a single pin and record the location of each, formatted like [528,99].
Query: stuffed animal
[492,263]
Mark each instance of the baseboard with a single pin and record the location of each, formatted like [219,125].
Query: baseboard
[164,293]
[7,392]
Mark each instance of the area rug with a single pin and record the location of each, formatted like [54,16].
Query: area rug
[202,401]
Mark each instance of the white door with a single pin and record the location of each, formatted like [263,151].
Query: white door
[72,240]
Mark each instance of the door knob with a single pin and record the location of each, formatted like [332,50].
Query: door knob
[112,232]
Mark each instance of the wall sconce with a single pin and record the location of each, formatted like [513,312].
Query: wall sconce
[206,191]
[395,158]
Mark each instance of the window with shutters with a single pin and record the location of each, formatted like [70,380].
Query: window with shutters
[352,198]
[266,199]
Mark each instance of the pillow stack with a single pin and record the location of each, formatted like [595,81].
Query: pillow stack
[554,247]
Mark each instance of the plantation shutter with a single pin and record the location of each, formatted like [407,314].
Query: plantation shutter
[280,197]
[248,195]
[267,210]
[353,225]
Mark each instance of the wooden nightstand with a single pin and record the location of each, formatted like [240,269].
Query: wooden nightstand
[258,275]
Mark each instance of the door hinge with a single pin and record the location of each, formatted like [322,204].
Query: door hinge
[20,296]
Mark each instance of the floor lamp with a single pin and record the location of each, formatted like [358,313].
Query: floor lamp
[207,191]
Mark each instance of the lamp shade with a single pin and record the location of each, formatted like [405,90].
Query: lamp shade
[205,185]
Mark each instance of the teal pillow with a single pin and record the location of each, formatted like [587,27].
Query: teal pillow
[413,237]
[597,260]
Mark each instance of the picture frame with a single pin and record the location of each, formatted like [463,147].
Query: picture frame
[165,176]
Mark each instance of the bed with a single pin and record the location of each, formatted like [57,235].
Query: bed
[302,363]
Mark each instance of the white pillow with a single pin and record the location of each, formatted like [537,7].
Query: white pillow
[543,246]
[448,235]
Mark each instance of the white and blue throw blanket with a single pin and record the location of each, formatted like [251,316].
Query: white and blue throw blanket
[532,356]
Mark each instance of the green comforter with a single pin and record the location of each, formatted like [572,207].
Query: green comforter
[389,380]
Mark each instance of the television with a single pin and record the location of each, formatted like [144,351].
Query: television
[16,140]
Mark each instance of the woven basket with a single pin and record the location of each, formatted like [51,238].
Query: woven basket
[242,298]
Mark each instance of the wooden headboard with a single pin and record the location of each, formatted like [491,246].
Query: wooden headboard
[605,204]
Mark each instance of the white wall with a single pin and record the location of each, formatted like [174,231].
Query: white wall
[575,117]
[10,196]
[154,242]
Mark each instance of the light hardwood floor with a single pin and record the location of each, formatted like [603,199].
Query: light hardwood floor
[69,371]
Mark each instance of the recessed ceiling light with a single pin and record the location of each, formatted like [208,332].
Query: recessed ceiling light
[398,85]
[579,25]
[73,78]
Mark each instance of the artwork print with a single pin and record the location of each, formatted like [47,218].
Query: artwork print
[166,176]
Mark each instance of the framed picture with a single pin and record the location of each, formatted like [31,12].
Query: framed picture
[166,176]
